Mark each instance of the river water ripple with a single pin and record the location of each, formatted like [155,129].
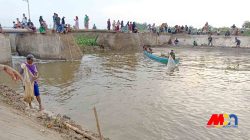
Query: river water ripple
[137,100]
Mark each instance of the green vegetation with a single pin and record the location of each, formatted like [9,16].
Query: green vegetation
[86,40]
[142,27]
[246,32]
[246,24]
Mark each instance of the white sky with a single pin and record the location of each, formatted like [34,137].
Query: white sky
[218,13]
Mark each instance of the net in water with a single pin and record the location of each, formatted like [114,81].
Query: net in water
[171,66]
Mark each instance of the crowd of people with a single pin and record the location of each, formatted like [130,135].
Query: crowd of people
[119,26]
[59,24]
[167,29]
[27,24]
[205,30]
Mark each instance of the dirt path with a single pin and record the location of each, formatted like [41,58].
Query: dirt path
[15,126]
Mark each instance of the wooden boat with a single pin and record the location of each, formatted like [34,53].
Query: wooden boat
[157,58]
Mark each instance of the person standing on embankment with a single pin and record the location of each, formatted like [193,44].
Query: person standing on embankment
[237,41]
[108,24]
[34,72]
[86,22]
[210,41]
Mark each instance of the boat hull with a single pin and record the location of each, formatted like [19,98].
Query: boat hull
[163,60]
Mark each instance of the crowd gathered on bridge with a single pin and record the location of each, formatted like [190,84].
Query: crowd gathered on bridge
[61,26]
[120,26]
[205,30]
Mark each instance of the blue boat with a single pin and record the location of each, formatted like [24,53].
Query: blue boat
[163,60]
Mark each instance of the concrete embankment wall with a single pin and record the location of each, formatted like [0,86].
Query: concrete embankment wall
[64,47]
[5,49]
[131,41]
[48,46]
[218,41]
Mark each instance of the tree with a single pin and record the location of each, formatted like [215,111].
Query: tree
[246,24]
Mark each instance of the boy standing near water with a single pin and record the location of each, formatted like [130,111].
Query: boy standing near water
[237,41]
[33,70]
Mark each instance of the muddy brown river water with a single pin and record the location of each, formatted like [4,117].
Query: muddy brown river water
[137,100]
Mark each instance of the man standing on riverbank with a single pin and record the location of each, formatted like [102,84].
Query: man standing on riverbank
[86,22]
[210,39]
[54,22]
[108,24]
[237,41]
[34,72]
[1,29]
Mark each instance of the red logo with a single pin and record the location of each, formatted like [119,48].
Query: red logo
[223,120]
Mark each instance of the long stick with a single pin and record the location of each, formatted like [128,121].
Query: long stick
[79,131]
[97,124]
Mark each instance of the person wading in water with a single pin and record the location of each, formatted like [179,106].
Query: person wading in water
[172,54]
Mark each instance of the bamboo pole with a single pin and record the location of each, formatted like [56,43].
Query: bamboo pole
[97,124]
[79,131]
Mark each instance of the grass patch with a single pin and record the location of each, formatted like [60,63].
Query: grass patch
[86,41]
[246,32]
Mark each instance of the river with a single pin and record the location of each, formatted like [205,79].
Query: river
[137,100]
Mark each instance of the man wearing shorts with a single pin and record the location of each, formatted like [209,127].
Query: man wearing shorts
[33,70]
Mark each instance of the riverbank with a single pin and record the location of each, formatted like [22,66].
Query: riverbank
[20,122]
[71,46]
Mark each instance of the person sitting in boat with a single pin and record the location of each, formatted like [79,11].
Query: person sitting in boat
[176,41]
[172,54]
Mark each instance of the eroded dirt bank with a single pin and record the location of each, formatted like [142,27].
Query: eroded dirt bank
[20,122]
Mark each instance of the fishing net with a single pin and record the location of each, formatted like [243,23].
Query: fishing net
[28,84]
[171,64]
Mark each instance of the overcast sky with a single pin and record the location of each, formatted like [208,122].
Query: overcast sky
[218,13]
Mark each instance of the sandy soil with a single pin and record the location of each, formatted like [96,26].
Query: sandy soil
[16,126]
[19,122]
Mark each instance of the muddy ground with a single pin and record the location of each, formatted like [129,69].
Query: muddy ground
[41,124]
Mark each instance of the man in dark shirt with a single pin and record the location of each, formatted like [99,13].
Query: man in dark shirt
[172,54]
[210,39]
[237,42]
[31,25]
[108,24]
[63,21]
[1,29]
